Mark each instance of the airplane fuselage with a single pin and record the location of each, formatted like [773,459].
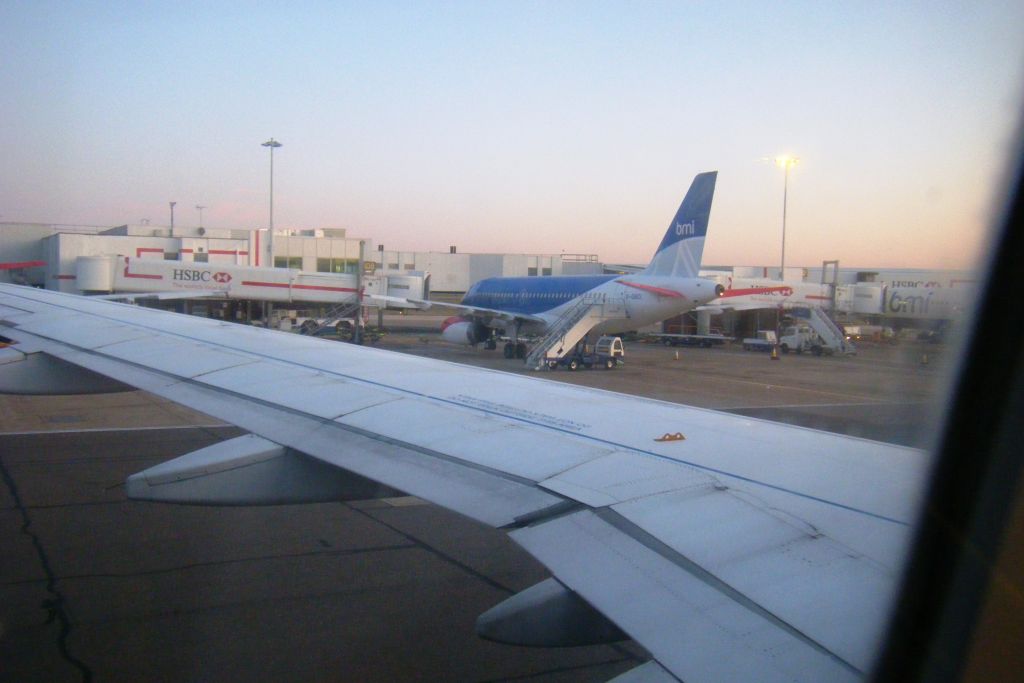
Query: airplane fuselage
[573,306]
[632,301]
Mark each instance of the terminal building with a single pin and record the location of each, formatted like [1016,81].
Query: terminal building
[47,255]
[242,274]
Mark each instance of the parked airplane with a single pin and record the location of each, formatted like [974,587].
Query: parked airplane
[729,548]
[569,307]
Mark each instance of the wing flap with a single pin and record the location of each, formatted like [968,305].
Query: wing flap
[781,563]
[691,624]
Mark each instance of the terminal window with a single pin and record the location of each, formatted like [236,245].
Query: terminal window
[336,265]
[288,262]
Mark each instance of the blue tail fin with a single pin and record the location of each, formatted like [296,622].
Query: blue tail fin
[682,248]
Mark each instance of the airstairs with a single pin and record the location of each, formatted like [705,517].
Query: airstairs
[830,333]
[337,314]
[572,326]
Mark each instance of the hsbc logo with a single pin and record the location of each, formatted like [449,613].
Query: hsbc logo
[191,275]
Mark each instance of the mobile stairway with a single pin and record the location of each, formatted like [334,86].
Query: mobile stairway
[572,326]
[343,312]
[831,334]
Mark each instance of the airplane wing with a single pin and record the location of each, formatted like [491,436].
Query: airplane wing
[729,548]
[490,313]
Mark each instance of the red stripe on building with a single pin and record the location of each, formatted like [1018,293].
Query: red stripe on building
[63,277]
[325,289]
[139,251]
[284,285]
[22,264]
[257,247]
[229,252]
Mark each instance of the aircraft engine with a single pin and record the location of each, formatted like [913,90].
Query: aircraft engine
[462,331]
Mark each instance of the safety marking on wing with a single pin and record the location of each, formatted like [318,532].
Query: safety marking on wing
[671,437]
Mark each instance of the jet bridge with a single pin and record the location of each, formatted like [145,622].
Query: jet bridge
[123,274]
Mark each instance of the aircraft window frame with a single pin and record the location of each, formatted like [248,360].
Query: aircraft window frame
[974,483]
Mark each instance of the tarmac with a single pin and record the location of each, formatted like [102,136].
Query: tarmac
[94,587]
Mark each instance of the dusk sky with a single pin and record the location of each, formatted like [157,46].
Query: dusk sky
[522,127]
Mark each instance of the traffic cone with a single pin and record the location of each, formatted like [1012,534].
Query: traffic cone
[775,353]
[677,355]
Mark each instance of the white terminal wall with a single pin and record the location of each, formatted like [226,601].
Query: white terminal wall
[22,242]
[457,272]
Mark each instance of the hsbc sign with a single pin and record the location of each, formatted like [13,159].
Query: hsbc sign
[193,275]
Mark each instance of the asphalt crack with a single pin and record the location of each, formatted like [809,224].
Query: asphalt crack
[54,605]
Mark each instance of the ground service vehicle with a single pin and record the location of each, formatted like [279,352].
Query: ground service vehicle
[606,353]
[800,338]
[764,341]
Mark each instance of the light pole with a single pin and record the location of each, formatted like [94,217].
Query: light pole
[200,214]
[172,214]
[272,144]
[786,162]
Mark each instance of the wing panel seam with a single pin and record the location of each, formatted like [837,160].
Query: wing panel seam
[660,548]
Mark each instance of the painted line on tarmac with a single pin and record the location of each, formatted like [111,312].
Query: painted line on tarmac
[43,432]
[772,386]
[787,406]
